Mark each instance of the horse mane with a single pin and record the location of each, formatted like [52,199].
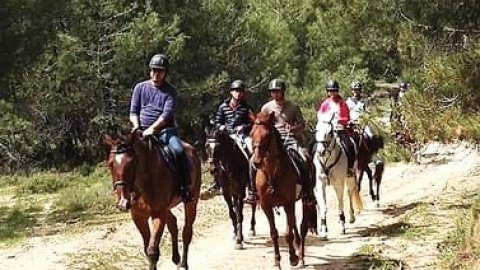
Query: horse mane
[267,120]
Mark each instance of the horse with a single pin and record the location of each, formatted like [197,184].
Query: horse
[228,162]
[145,185]
[367,147]
[276,181]
[330,162]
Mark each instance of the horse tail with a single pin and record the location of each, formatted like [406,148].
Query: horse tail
[356,200]
[310,216]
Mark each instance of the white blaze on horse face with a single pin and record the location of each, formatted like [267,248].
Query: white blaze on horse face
[118,158]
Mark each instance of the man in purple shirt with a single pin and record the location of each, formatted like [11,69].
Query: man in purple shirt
[152,110]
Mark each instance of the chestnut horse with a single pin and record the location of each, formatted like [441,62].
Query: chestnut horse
[277,185]
[226,161]
[145,184]
[367,147]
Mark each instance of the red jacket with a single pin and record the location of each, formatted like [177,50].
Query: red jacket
[338,107]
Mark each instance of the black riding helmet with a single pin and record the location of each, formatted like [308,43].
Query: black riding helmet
[158,61]
[332,85]
[276,84]
[356,85]
[237,85]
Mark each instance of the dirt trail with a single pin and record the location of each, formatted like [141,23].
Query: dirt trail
[118,246]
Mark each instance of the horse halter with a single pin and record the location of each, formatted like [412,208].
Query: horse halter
[328,144]
[121,149]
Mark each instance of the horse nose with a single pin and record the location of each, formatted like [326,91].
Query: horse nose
[123,205]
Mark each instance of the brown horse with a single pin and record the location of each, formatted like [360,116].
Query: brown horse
[226,161]
[144,184]
[367,147]
[276,182]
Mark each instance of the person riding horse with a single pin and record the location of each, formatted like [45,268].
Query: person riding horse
[152,110]
[234,115]
[357,105]
[336,110]
[290,124]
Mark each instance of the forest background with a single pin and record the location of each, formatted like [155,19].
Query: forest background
[68,67]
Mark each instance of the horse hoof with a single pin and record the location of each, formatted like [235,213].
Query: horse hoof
[238,246]
[294,262]
[323,236]
[252,233]
[352,220]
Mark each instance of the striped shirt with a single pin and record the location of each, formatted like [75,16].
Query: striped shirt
[234,117]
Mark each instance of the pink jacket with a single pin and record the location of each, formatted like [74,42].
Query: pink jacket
[339,107]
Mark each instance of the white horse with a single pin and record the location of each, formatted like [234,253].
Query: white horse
[331,163]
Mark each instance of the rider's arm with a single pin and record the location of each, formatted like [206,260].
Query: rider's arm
[135,106]
[219,117]
[298,121]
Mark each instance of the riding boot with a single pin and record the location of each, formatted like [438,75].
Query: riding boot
[252,189]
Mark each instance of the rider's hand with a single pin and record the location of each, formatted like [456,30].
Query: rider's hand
[147,132]
[239,128]
[222,127]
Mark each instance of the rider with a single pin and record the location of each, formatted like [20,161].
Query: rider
[152,110]
[336,109]
[290,124]
[234,115]
[357,106]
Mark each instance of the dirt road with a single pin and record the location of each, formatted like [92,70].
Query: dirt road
[406,187]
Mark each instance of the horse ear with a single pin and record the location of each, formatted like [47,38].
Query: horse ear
[271,117]
[107,140]
[252,117]
[207,129]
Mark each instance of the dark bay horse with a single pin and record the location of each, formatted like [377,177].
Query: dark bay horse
[143,183]
[277,185]
[367,147]
[227,162]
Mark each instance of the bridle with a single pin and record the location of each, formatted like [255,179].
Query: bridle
[121,149]
[328,149]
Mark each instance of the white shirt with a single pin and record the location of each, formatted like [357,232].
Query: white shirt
[356,107]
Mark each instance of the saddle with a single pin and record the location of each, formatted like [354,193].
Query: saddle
[167,155]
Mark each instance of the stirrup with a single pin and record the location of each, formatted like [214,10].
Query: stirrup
[251,198]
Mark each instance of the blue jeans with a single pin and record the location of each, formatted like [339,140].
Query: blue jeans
[170,137]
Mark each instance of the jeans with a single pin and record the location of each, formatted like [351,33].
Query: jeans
[170,137]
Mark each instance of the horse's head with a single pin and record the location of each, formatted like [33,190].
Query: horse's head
[215,138]
[325,136]
[263,138]
[122,164]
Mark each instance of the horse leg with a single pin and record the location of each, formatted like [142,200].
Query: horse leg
[268,210]
[153,250]
[190,215]
[231,211]
[370,182]
[173,229]
[319,191]
[379,168]
[141,222]
[360,178]
[339,187]
[252,221]
[292,232]
[239,211]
